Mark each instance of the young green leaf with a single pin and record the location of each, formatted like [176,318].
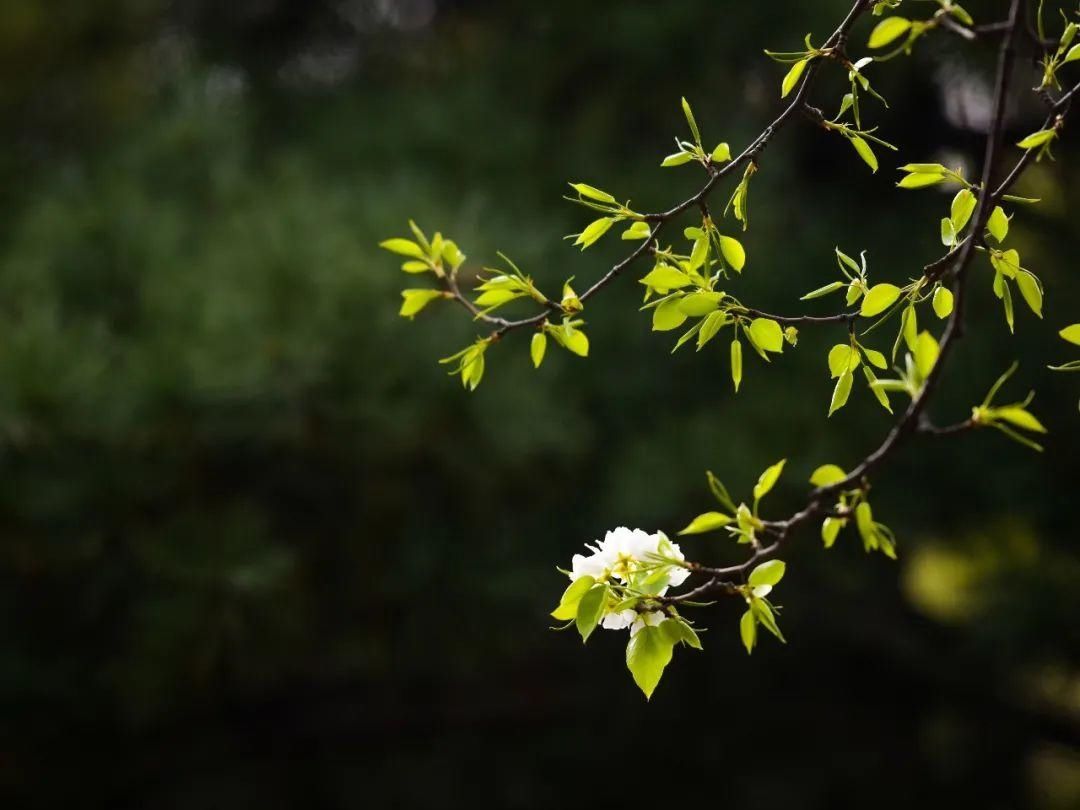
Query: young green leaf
[767,334]
[821,291]
[736,363]
[1031,290]
[1071,333]
[768,573]
[571,598]
[792,77]
[841,392]
[1037,139]
[416,300]
[592,193]
[826,475]
[768,479]
[590,609]
[733,252]
[668,316]
[943,302]
[403,247]
[663,278]
[707,522]
[830,528]
[593,232]
[865,152]
[920,180]
[537,349]
[690,120]
[963,206]
[887,31]
[647,655]
[842,359]
[748,631]
[878,299]
[677,159]
[998,224]
[721,154]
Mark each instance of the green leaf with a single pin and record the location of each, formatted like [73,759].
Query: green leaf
[821,291]
[721,154]
[792,77]
[736,363]
[768,479]
[876,358]
[590,608]
[662,277]
[575,341]
[678,630]
[404,247]
[594,231]
[668,316]
[841,393]
[415,266]
[690,120]
[764,614]
[842,359]
[826,475]
[1015,415]
[998,224]
[920,180]
[877,390]
[748,631]
[707,522]
[963,206]
[639,230]
[864,521]
[710,327]
[592,193]
[943,302]
[1037,139]
[767,334]
[647,655]
[768,573]
[888,30]
[909,326]
[865,152]
[416,300]
[733,252]
[878,299]
[678,159]
[1031,290]
[830,528]
[537,348]
[1071,333]
[571,598]
[1072,55]
[700,304]
[948,232]
[926,354]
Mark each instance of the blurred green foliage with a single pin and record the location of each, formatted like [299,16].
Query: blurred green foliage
[257,549]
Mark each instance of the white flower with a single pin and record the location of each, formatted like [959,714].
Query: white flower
[620,620]
[651,619]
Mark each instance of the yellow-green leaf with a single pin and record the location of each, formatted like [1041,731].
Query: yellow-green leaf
[943,302]
[878,299]
[538,348]
[1031,290]
[768,479]
[592,193]
[733,252]
[647,655]
[1037,139]
[792,77]
[1071,333]
[736,363]
[841,393]
[998,224]
[416,300]
[865,152]
[403,247]
[707,522]
[842,359]
[888,30]
[767,334]
[826,475]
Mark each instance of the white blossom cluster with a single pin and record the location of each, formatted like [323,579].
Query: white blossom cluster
[644,562]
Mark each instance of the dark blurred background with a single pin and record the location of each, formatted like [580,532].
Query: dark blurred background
[258,550]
